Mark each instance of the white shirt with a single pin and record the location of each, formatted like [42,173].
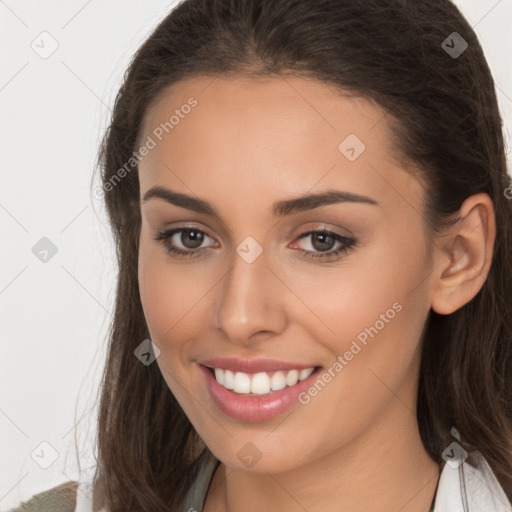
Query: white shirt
[483,491]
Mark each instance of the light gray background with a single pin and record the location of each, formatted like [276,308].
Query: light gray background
[55,315]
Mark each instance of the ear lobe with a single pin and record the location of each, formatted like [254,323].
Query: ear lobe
[465,258]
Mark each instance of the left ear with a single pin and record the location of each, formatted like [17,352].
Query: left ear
[464,256]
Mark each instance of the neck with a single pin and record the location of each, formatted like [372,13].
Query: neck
[384,468]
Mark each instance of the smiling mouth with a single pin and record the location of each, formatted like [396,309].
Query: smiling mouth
[261,383]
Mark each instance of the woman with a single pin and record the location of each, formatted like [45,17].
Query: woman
[309,203]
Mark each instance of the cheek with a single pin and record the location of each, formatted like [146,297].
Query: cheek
[371,323]
[371,312]
[175,301]
[175,298]
[344,300]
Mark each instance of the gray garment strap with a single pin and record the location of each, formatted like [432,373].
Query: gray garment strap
[196,496]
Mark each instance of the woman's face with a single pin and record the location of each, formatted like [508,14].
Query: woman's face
[247,165]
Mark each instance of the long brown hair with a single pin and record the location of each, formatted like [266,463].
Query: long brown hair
[447,130]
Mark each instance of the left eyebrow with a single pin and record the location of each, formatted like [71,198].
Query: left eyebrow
[279,208]
[311,201]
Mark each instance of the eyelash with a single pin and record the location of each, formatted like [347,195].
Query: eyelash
[348,244]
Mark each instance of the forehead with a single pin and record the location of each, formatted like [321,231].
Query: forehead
[242,105]
[270,136]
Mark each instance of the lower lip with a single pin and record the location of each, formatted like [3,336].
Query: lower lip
[251,407]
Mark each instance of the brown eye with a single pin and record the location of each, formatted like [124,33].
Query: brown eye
[191,238]
[183,242]
[322,244]
[322,241]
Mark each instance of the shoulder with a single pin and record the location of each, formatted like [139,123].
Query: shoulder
[61,498]
[87,495]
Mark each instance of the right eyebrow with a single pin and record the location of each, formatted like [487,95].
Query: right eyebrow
[279,208]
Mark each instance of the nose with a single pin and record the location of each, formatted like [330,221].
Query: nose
[251,301]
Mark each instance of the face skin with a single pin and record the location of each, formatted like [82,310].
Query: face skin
[246,145]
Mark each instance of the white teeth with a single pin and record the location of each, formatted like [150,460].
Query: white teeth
[304,374]
[219,375]
[260,383]
[242,383]
[278,381]
[229,379]
[292,378]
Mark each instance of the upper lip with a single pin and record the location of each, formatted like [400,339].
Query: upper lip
[253,365]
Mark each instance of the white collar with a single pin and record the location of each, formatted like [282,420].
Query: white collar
[483,492]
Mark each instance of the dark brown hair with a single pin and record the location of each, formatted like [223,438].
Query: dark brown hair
[447,128]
